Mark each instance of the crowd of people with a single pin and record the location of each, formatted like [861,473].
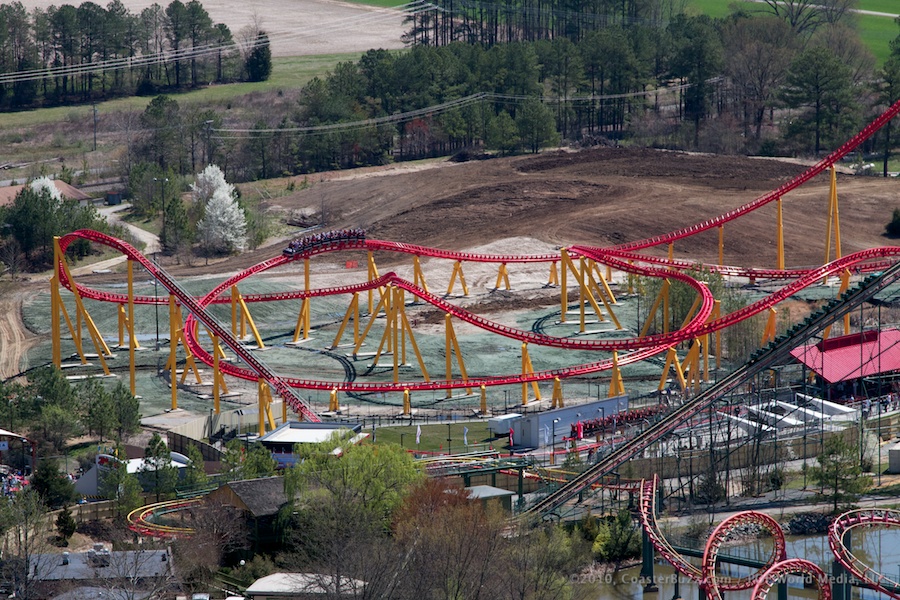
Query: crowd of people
[328,238]
[11,481]
[612,422]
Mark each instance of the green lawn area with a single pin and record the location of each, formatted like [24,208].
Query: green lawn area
[885,6]
[287,73]
[876,32]
[434,437]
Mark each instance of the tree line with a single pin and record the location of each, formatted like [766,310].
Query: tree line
[65,54]
[765,82]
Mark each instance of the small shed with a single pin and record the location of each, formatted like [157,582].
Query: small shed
[260,499]
[489,493]
[894,459]
[302,586]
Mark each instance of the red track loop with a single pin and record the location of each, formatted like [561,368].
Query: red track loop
[792,566]
[715,585]
[859,569]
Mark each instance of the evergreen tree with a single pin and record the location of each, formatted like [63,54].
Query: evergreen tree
[54,488]
[839,472]
[157,468]
[259,59]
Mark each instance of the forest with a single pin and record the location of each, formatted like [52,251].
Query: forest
[67,54]
[517,77]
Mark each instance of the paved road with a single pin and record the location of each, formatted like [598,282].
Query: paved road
[151,241]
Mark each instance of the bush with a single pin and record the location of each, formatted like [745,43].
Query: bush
[65,524]
[892,229]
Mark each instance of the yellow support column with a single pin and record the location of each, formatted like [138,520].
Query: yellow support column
[373,275]
[407,407]
[554,275]
[457,272]
[333,403]
[418,276]
[217,374]
[483,399]
[122,319]
[616,383]
[563,289]
[261,391]
[671,251]
[834,221]
[502,277]
[173,348]
[527,369]
[131,340]
[451,348]
[721,245]
[779,235]
[54,306]
[672,361]
[557,400]
[771,327]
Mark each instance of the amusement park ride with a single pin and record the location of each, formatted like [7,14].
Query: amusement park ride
[585,267]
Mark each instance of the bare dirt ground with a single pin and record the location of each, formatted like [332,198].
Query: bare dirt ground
[298,27]
[598,197]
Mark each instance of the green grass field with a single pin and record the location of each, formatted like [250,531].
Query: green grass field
[434,437]
[287,73]
[876,32]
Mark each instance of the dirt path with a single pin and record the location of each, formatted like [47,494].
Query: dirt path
[15,339]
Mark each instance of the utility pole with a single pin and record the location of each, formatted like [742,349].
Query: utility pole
[162,198]
[208,124]
[95,125]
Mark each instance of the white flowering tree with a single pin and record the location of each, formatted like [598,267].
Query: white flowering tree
[207,182]
[45,183]
[223,227]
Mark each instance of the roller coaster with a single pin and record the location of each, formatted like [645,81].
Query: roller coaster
[580,261]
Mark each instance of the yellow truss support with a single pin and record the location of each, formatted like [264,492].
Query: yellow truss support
[616,383]
[721,245]
[333,404]
[397,331]
[217,373]
[779,243]
[845,285]
[303,319]
[131,339]
[833,221]
[352,313]
[58,306]
[606,292]
[174,331]
[457,272]
[582,274]
[564,287]
[265,406]
[483,390]
[407,405]
[123,327]
[717,313]
[418,276]
[527,369]
[691,366]
[451,349]
[177,336]
[672,362]
[661,299]
[771,327]
[502,277]
[557,400]
[373,314]
[373,275]
[239,307]
[554,275]
[671,252]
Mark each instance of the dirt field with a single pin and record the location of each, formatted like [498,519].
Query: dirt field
[298,27]
[598,197]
